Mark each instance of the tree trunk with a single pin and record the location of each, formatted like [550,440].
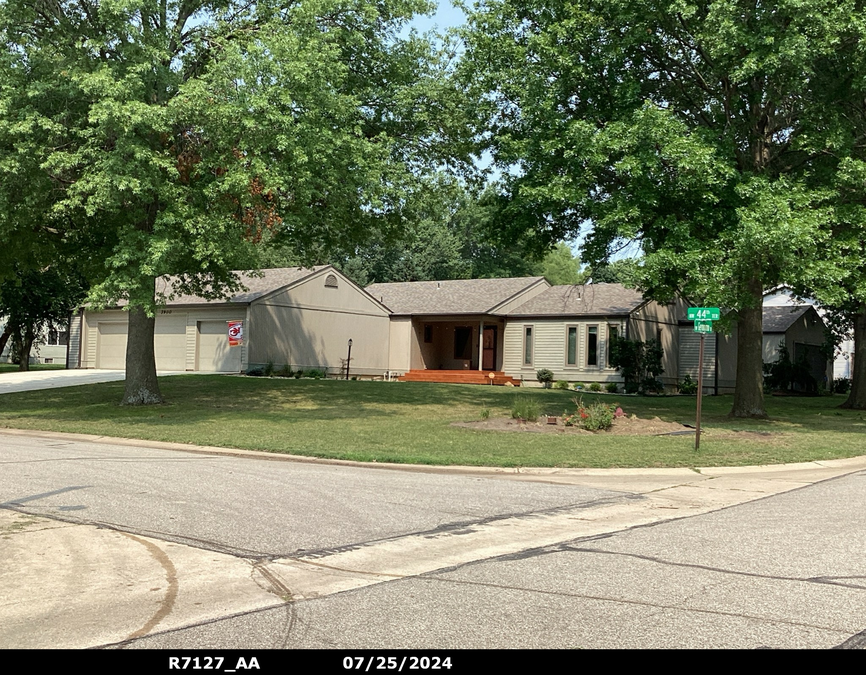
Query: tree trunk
[142,387]
[25,346]
[749,391]
[857,395]
[4,339]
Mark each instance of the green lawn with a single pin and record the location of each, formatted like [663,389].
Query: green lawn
[410,422]
[13,368]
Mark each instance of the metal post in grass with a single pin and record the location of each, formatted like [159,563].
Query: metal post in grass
[349,358]
[703,318]
[700,394]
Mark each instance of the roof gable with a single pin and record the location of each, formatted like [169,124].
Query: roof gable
[256,287]
[780,319]
[587,300]
[457,296]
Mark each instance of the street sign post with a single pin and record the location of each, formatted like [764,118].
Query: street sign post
[703,318]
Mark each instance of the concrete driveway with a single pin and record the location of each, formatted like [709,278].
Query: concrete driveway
[52,379]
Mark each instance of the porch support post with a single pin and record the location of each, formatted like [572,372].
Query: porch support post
[481,345]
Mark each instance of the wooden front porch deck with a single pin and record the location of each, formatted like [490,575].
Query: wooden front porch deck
[459,377]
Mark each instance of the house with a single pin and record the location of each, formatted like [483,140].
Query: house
[456,325]
[844,358]
[299,317]
[463,330]
[569,330]
[49,347]
[799,327]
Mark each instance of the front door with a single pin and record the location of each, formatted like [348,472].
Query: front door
[488,357]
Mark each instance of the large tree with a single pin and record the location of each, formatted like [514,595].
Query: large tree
[32,300]
[166,137]
[686,126]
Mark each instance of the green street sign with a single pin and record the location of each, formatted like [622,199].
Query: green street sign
[703,326]
[704,314]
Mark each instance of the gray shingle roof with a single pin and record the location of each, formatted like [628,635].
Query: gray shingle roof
[591,299]
[272,280]
[780,319]
[461,296]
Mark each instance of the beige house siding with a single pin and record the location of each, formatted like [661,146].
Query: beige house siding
[527,294]
[401,338]
[314,293]
[309,325]
[689,356]
[550,349]
[653,319]
[726,353]
[306,338]
[75,340]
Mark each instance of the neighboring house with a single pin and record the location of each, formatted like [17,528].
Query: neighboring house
[49,347]
[800,328]
[569,329]
[291,316]
[784,297]
[455,325]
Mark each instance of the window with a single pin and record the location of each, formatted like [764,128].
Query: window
[612,334]
[592,345]
[571,346]
[463,342]
[57,337]
[527,346]
[331,281]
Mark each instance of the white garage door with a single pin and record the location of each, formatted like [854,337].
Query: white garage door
[213,353]
[111,345]
[169,342]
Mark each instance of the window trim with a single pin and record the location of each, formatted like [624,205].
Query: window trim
[608,340]
[576,328]
[587,364]
[528,330]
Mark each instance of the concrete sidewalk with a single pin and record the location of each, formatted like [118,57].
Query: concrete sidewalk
[86,585]
[51,379]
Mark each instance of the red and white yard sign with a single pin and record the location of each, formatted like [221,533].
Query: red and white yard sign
[236,333]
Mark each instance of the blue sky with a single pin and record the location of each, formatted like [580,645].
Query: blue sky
[447,16]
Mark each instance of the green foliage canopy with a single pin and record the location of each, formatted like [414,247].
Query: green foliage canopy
[166,137]
[694,128]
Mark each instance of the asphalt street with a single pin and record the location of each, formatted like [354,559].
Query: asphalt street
[111,544]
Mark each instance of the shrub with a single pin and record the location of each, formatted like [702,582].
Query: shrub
[544,376]
[299,374]
[562,384]
[651,385]
[579,386]
[285,371]
[315,374]
[785,375]
[595,417]
[595,386]
[612,387]
[255,372]
[525,408]
[841,385]
[485,414]
[688,386]
[269,369]
[639,363]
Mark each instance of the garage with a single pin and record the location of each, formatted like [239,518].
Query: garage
[213,353]
[297,317]
[111,345]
